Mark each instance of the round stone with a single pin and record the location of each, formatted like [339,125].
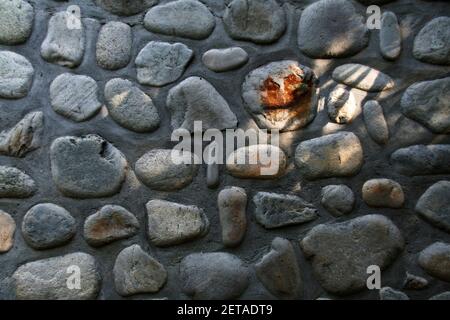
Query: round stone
[126,7]
[259,21]
[435,260]
[232,203]
[87,167]
[130,107]
[16,75]
[375,122]
[281,95]
[75,97]
[338,199]
[432,44]
[48,226]
[342,106]
[383,193]
[15,183]
[7,230]
[114,45]
[16,21]
[362,77]
[221,60]
[434,205]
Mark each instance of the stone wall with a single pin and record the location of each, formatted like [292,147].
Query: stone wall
[86,115]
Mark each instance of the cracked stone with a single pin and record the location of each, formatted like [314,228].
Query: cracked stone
[15,184]
[434,205]
[7,230]
[114,45]
[16,21]
[362,77]
[232,203]
[221,60]
[16,75]
[435,260]
[126,7]
[338,199]
[375,122]
[383,193]
[432,43]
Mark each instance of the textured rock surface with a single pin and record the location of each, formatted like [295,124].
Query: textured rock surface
[109,224]
[47,279]
[390,36]
[213,276]
[281,95]
[171,223]
[137,272]
[375,122]
[232,203]
[278,210]
[434,205]
[16,75]
[432,43]
[338,199]
[16,21]
[413,282]
[114,45]
[87,167]
[441,296]
[341,105]
[383,193]
[334,248]
[7,230]
[435,260]
[362,77]
[422,160]
[14,183]
[221,60]
[387,293]
[126,7]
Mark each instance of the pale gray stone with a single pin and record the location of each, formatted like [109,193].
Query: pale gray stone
[7,230]
[114,43]
[16,75]
[390,36]
[15,184]
[434,205]
[375,122]
[221,60]
[232,203]
[16,21]
[435,260]
[341,105]
[387,293]
[385,193]
[432,43]
[338,199]
[362,77]
[126,7]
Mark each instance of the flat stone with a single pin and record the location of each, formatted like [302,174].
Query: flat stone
[109,224]
[160,63]
[279,271]
[334,248]
[375,122]
[332,29]
[434,205]
[413,282]
[421,160]
[75,97]
[126,7]
[362,77]
[114,44]
[16,75]
[63,46]
[48,279]
[274,210]
[130,107]
[7,230]
[385,193]
[24,137]
[259,21]
[232,203]
[432,43]
[182,18]
[341,105]
[387,293]
[195,99]
[158,169]
[16,21]
[221,60]
[137,272]
[213,276]
[335,155]
[261,161]
[15,184]
[441,296]
[87,167]
[390,36]
[435,260]
[171,223]
[281,95]
[47,225]
[338,199]
[428,102]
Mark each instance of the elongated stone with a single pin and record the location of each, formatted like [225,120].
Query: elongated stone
[435,260]
[232,203]
[15,184]
[7,230]
[390,36]
[363,77]
[126,7]
[221,60]
[383,193]
[375,122]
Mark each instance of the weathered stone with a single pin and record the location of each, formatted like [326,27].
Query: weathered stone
[221,60]
[114,45]
[390,36]
[387,293]
[109,224]
[171,223]
[24,137]
[342,106]
[161,63]
[259,21]
[7,230]
[47,279]
[274,210]
[48,226]
[413,282]
[334,249]
[375,122]
[383,193]
[432,44]
[279,271]
[369,2]
[16,75]
[137,272]
[434,205]
[64,45]
[130,107]
[332,29]
[335,155]
[181,18]
[441,296]
[362,77]
[159,169]
[16,21]
[232,203]
[338,199]
[75,97]
[260,161]
[428,102]
[213,276]
[87,167]
[281,95]
[15,183]
[435,260]
[195,99]
[126,7]
[421,160]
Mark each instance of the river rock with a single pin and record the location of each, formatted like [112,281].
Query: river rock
[7,230]
[390,36]
[232,203]
[16,75]
[441,296]
[362,77]
[435,260]
[387,293]
[221,60]
[15,184]
[432,43]
[434,205]
[338,199]
[413,282]
[126,7]
[375,122]
[341,105]
[16,21]
[114,44]
[383,193]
